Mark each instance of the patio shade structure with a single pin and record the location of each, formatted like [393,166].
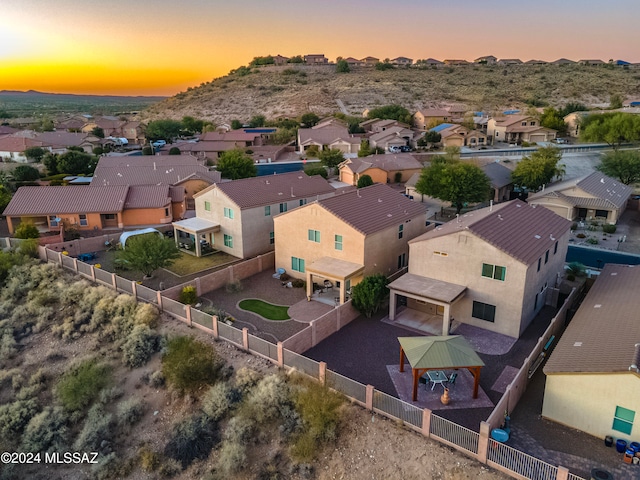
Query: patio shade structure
[437,353]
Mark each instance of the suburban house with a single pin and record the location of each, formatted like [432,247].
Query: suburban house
[518,129]
[369,61]
[456,63]
[509,61]
[535,62]
[458,136]
[347,237]
[183,171]
[381,168]
[326,136]
[237,217]
[392,137]
[94,208]
[59,142]
[563,61]
[491,268]
[592,197]
[353,62]
[316,59]
[486,60]
[592,375]
[430,117]
[431,62]
[457,112]
[500,178]
[402,61]
[12,147]
[235,138]
[591,63]
[280,60]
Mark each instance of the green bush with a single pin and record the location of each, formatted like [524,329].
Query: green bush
[246,379]
[79,386]
[15,416]
[397,177]
[317,170]
[191,439]
[298,283]
[47,431]
[96,428]
[130,412]
[234,286]
[268,399]
[608,228]
[189,295]
[370,294]
[574,226]
[141,343]
[592,241]
[581,235]
[27,230]
[190,365]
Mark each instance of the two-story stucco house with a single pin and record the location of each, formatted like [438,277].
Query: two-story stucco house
[237,217]
[518,129]
[348,236]
[490,268]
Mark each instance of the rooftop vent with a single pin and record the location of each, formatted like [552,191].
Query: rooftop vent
[537,237]
[577,344]
[597,305]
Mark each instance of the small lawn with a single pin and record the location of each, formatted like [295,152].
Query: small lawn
[264,309]
[188,264]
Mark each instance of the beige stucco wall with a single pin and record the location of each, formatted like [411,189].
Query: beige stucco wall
[588,402]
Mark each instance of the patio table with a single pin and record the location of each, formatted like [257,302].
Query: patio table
[437,376]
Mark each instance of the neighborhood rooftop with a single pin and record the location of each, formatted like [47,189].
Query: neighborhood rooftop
[373,208]
[522,231]
[388,162]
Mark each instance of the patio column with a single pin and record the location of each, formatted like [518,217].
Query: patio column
[446,319]
[309,286]
[392,305]
[198,246]
[175,235]
[342,291]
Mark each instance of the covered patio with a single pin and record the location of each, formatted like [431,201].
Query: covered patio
[195,236]
[438,353]
[333,275]
[432,299]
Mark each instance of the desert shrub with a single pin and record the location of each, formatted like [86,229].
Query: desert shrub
[192,438]
[298,283]
[46,431]
[146,314]
[141,343]
[267,400]
[96,428]
[189,365]
[219,400]
[235,286]
[592,241]
[581,235]
[188,295]
[110,394]
[241,429]
[29,248]
[608,228]
[108,466]
[156,379]
[15,416]
[169,468]
[574,226]
[246,379]
[232,457]
[285,277]
[27,230]
[80,385]
[130,411]
[149,460]
[8,346]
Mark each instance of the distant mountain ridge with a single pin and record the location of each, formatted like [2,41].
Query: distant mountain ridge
[35,93]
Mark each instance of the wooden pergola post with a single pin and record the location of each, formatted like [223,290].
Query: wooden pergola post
[401,359]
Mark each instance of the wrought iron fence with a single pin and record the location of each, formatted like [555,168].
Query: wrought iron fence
[519,462]
[454,434]
[345,385]
[395,407]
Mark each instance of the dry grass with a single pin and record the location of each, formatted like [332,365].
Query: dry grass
[188,264]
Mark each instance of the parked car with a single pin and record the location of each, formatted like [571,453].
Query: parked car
[158,143]
[394,149]
[561,141]
[405,148]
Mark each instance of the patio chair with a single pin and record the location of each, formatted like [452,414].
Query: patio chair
[452,379]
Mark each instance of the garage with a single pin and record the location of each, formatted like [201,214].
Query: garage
[538,137]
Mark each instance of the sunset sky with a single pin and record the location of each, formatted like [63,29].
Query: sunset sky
[161,47]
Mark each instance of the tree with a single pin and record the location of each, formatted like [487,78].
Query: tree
[35,153]
[365,181]
[5,197]
[296,59]
[370,294]
[163,130]
[174,151]
[622,164]
[430,137]
[342,67]
[572,107]
[235,164]
[615,101]
[76,163]
[551,118]
[331,158]
[611,128]
[391,112]
[540,168]
[25,173]
[454,181]
[365,148]
[258,61]
[316,170]
[309,119]
[147,150]
[148,252]
[386,65]
[27,230]
[98,132]
[44,125]
[50,161]
[236,124]
[257,121]
[192,125]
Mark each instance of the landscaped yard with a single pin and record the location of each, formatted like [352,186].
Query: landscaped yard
[188,264]
[264,309]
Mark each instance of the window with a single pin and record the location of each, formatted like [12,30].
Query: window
[166,214]
[283,207]
[402,260]
[524,124]
[533,124]
[602,213]
[228,241]
[494,271]
[297,264]
[338,241]
[400,231]
[54,221]
[109,216]
[623,420]
[84,222]
[267,210]
[272,238]
[228,213]
[484,311]
[207,206]
[539,263]
[546,257]
[555,248]
[314,235]
[303,201]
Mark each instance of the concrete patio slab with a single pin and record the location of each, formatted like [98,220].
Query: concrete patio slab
[307,311]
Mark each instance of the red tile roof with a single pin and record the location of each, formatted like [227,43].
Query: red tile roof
[148,196]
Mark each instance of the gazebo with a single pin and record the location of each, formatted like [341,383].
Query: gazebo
[437,353]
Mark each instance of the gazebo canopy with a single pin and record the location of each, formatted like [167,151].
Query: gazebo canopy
[449,351]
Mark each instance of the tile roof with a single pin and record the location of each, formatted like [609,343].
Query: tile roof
[511,119]
[177,194]
[326,135]
[434,112]
[17,144]
[48,200]
[522,231]
[64,139]
[148,196]
[271,189]
[374,208]
[232,136]
[390,162]
[150,170]
[602,335]
[499,175]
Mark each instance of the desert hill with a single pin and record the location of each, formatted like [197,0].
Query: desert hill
[289,91]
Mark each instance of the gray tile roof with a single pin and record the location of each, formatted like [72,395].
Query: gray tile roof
[522,231]
[148,196]
[373,208]
[499,175]
[150,170]
[390,162]
[607,188]
[272,189]
[326,135]
[48,200]
[602,335]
